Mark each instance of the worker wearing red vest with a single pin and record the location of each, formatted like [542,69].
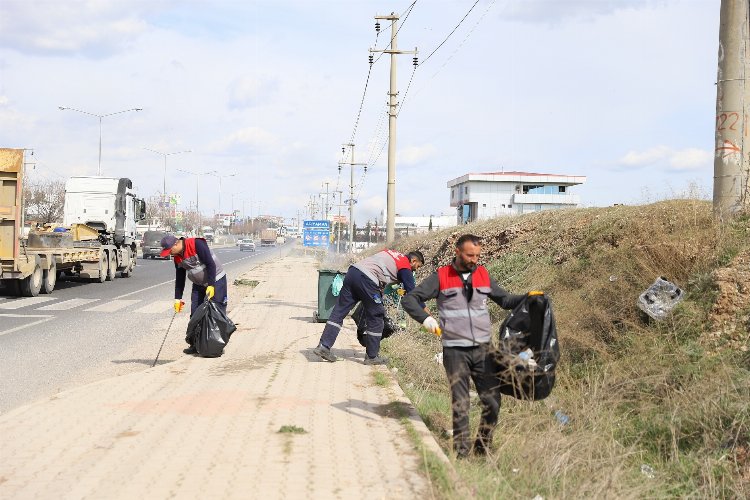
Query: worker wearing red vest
[194,259]
[462,289]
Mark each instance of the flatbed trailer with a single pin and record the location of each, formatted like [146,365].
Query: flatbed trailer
[29,266]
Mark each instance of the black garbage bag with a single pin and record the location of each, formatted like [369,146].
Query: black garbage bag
[389,326]
[209,330]
[528,351]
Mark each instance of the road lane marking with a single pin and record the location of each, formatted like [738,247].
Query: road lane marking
[112,305]
[19,303]
[66,304]
[21,327]
[156,307]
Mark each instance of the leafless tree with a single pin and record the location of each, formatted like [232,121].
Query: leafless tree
[44,200]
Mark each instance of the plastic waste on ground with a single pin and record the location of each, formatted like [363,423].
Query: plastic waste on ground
[648,471]
[562,418]
[660,298]
[438,358]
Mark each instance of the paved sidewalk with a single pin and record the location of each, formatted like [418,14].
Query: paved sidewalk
[209,428]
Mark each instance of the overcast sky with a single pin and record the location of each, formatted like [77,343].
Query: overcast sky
[622,92]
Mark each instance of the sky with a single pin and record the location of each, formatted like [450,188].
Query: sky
[265,94]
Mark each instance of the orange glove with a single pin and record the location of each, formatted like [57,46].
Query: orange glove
[178,305]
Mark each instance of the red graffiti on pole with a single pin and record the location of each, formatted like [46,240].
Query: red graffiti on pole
[728,148]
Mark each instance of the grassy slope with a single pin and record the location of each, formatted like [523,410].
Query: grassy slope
[666,395]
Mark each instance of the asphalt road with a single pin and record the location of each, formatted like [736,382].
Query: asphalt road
[84,332]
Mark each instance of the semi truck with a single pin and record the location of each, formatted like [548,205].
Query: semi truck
[268,238]
[96,241]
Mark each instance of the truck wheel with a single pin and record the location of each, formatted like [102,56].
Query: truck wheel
[31,285]
[102,268]
[111,266]
[49,278]
[125,273]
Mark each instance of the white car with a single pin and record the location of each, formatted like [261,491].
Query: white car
[247,244]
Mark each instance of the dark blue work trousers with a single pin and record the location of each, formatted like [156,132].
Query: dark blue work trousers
[198,295]
[358,287]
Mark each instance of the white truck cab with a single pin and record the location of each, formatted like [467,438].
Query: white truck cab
[107,204]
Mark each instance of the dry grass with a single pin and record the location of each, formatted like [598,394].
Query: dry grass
[672,396]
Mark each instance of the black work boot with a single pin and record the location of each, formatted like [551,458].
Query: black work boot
[325,353]
[190,350]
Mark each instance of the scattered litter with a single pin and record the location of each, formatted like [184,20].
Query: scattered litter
[246,282]
[613,278]
[394,370]
[410,385]
[648,471]
[438,358]
[562,418]
[538,497]
[660,298]
[515,471]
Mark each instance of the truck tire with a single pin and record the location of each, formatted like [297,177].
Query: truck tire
[49,278]
[111,266]
[125,273]
[31,285]
[102,268]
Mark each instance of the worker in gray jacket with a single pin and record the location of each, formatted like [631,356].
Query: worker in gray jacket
[364,282]
[462,289]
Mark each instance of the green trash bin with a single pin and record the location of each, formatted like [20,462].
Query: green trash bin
[326,300]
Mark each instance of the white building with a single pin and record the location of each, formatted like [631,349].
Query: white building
[419,224]
[487,195]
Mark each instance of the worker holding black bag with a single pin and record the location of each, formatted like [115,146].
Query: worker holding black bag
[462,289]
[209,328]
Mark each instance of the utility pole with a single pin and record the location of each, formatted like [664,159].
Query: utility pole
[328,204]
[731,165]
[351,193]
[392,49]
[338,222]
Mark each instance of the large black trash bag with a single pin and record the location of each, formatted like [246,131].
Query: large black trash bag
[209,330]
[528,351]
[389,326]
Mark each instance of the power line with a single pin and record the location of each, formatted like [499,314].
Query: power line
[451,33]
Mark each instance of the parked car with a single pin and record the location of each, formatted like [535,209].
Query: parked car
[151,244]
[247,244]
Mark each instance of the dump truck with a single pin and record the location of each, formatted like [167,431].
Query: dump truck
[268,238]
[96,240]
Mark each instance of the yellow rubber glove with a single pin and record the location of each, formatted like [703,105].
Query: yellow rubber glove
[210,292]
[178,305]
[535,292]
[401,292]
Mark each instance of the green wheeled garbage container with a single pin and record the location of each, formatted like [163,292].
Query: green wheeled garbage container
[326,299]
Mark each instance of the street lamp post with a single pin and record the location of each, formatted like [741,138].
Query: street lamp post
[164,192]
[219,176]
[197,184]
[63,108]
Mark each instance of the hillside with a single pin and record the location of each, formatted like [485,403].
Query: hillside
[656,408]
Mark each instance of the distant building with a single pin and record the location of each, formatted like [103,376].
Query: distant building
[405,225]
[487,195]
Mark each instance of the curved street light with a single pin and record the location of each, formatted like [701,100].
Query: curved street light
[165,163]
[197,184]
[63,108]
[219,176]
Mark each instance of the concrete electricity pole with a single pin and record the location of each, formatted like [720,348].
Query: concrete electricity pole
[731,166]
[327,205]
[392,49]
[351,194]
